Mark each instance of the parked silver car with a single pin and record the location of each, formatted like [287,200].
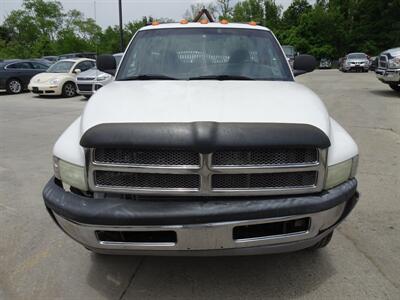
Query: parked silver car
[91,80]
[358,62]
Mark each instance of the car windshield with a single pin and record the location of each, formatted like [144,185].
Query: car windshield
[209,53]
[61,67]
[357,56]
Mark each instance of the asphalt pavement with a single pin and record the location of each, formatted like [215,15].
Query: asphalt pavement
[37,260]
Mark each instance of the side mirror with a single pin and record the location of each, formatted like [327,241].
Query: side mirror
[107,64]
[77,71]
[304,64]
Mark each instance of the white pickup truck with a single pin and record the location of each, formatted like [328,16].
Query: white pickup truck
[203,145]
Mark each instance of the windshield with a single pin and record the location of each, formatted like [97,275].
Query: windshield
[357,56]
[209,53]
[61,67]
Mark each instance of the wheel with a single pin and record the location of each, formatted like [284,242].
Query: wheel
[69,89]
[322,243]
[395,87]
[14,86]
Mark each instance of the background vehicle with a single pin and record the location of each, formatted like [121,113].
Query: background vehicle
[388,70]
[51,59]
[373,63]
[169,158]
[16,74]
[325,63]
[358,62]
[91,80]
[59,79]
[290,53]
[91,55]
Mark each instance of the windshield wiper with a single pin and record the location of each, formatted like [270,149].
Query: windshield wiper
[149,77]
[221,77]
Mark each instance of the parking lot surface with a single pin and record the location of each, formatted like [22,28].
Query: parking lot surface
[37,260]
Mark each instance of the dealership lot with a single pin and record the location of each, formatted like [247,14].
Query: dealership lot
[37,261]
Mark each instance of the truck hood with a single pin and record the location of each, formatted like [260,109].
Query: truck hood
[213,101]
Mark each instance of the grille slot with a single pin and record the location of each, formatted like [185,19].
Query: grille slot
[265,157]
[146,157]
[264,181]
[146,180]
[85,87]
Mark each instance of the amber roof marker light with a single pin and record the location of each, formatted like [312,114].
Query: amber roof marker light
[252,23]
[203,21]
[184,21]
[224,21]
[155,23]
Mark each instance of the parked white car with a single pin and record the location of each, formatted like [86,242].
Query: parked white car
[204,144]
[91,80]
[59,79]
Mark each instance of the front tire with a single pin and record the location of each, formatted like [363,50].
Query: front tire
[322,243]
[14,86]
[395,87]
[69,90]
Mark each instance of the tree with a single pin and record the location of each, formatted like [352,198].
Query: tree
[292,15]
[224,8]
[194,9]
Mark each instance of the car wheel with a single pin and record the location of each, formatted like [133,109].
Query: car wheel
[14,86]
[322,243]
[69,90]
[395,87]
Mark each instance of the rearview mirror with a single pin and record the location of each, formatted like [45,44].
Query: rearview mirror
[304,64]
[77,71]
[107,64]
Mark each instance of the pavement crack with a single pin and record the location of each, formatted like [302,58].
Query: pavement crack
[132,278]
[389,129]
[370,259]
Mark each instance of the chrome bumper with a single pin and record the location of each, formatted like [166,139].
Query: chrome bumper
[208,239]
[388,75]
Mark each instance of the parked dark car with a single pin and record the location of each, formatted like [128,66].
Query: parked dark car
[373,63]
[51,59]
[16,74]
[90,55]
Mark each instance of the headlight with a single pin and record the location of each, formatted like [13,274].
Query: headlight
[54,81]
[394,63]
[103,77]
[71,174]
[341,172]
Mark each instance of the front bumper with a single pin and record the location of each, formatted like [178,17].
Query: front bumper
[201,227]
[388,75]
[88,88]
[45,89]
[351,67]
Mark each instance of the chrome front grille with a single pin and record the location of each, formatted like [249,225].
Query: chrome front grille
[238,172]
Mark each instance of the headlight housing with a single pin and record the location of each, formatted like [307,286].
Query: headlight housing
[103,77]
[54,81]
[70,174]
[341,172]
[394,62]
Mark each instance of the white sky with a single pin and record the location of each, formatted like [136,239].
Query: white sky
[107,10]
